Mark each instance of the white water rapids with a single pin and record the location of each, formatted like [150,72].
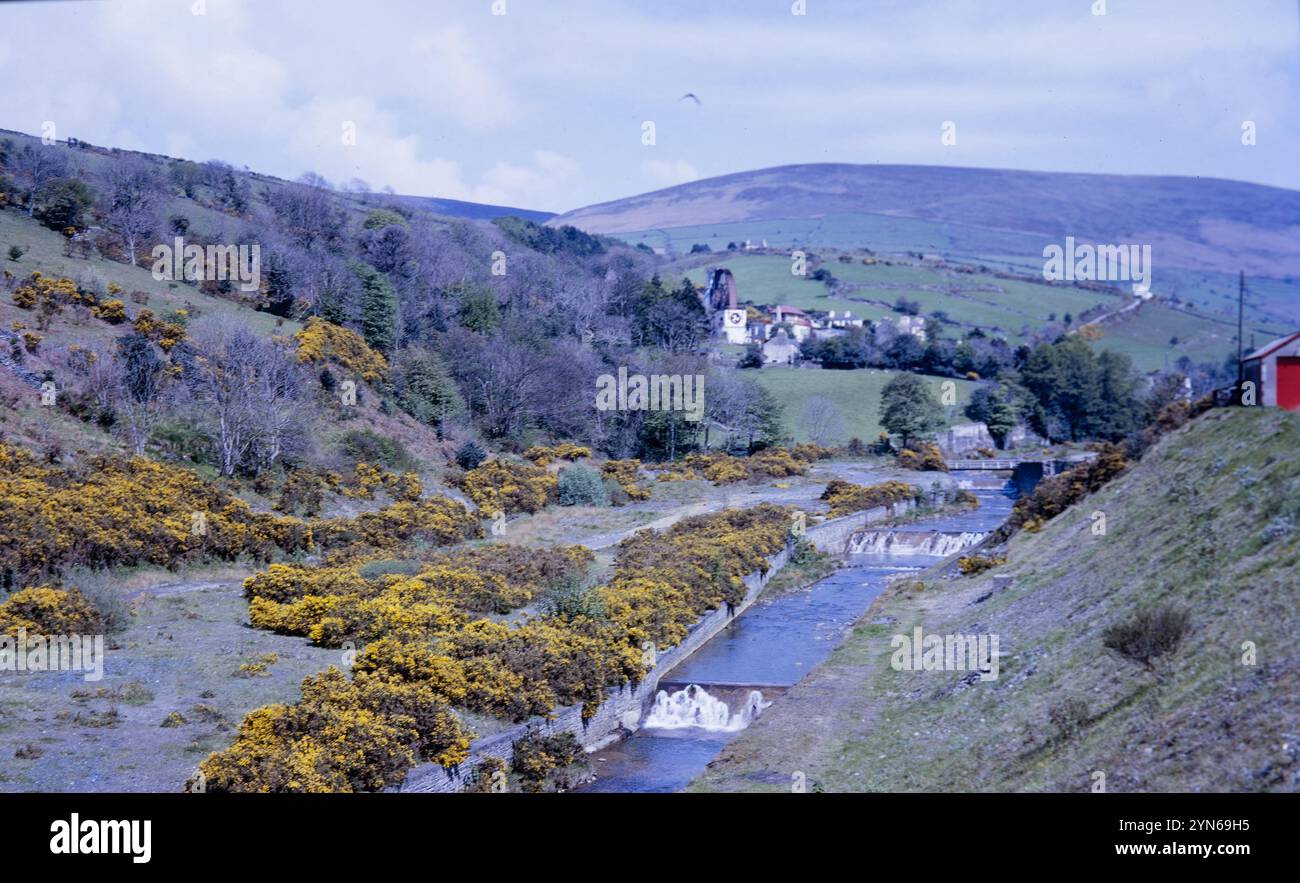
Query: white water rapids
[694,707]
[901,542]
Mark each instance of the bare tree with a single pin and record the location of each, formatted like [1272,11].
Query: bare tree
[134,196]
[823,421]
[251,389]
[140,376]
[39,165]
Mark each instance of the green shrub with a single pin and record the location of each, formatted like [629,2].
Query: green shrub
[367,446]
[470,455]
[580,486]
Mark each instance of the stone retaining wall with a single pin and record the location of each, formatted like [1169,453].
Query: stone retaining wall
[620,714]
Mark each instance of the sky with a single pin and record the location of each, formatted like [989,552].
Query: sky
[545,106]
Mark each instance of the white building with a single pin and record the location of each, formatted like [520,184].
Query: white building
[780,349]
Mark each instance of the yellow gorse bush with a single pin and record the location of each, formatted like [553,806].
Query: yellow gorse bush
[322,341]
[722,468]
[845,497]
[45,610]
[625,473]
[117,511]
[542,455]
[500,486]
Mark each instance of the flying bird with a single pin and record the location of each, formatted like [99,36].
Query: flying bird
[692,96]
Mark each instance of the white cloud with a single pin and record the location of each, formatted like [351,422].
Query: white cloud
[666,173]
[543,109]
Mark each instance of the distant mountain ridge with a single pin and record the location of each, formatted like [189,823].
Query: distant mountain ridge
[1198,223]
[473,211]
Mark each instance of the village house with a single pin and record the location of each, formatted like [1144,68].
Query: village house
[1275,370]
[801,327]
[780,349]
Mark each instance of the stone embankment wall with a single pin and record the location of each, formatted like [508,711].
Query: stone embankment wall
[621,713]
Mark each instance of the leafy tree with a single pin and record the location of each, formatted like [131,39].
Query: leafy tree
[187,176]
[752,357]
[424,387]
[381,218]
[479,310]
[998,407]
[909,409]
[378,309]
[63,203]
[229,189]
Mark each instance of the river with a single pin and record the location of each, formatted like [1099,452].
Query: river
[720,688]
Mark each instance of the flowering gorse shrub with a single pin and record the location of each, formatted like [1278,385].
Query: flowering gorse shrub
[624,473]
[45,610]
[543,456]
[845,497]
[663,582]
[322,341]
[501,486]
[973,564]
[927,459]
[726,469]
[116,511]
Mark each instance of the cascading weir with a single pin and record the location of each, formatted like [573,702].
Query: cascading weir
[694,707]
[936,543]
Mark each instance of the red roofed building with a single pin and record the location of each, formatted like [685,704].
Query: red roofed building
[1275,371]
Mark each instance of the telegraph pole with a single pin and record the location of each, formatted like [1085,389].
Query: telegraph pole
[1241,313]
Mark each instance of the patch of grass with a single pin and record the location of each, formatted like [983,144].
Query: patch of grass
[855,393]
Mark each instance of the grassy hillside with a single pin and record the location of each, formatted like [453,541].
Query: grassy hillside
[1202,231]
[870,290]
[1204,522]
[855,393]
[1202,222]
[1158,334]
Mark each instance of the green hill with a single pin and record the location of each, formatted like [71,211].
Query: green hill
[1204,523]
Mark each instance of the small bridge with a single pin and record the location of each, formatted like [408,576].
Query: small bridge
[1011,464]
[1005,465]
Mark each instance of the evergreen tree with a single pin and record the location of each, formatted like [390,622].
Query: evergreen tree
[378,309]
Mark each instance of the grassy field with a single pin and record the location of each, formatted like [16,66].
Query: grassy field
[1156,337]
[1201,718]
[1149,336]
[855,393]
